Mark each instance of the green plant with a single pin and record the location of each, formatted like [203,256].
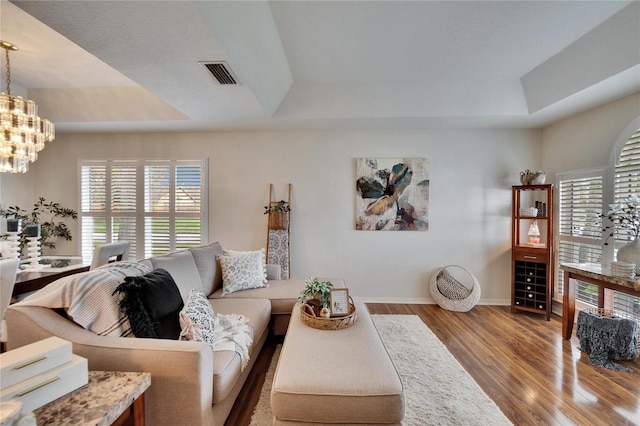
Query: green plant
[50,225]
[316,289]
[280,206]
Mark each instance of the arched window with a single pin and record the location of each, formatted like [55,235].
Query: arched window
[626,183]
[581,196]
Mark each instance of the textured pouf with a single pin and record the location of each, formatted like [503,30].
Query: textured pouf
[607,338]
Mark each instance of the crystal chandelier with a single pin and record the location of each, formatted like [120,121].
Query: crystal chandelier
[23,132]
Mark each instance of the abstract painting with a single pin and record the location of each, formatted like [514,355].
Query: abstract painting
[392,194]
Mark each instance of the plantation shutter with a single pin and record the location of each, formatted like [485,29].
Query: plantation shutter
[93,211]
[157,205]
[580,200]
[626,183]
[123,204]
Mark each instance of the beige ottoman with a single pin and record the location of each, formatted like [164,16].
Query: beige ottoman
[336,377]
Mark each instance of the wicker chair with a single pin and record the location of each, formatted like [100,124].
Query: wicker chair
[454,288]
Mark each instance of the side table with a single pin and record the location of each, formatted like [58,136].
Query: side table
[110,398]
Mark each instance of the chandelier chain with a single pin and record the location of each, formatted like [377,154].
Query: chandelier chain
[8,73]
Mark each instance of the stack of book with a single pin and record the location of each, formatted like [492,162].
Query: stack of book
[623,269]
[36,374]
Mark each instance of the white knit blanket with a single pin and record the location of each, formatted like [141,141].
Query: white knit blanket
[232,333]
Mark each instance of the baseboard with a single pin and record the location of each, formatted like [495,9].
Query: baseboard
[425,301]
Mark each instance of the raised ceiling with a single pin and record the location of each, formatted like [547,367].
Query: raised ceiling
[135,65]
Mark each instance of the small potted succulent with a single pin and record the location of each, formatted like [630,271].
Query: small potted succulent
[316,294]
[278,214]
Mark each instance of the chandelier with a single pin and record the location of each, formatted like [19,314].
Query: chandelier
[23,132]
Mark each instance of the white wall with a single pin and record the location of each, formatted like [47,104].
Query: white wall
[471,172]
[586,140]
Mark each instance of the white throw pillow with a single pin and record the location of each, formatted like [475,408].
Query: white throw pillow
[197,319]
[242,270]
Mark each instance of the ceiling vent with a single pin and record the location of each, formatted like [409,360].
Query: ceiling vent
[221,72]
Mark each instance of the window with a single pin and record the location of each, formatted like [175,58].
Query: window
[157,205]
[627,182]
[580,198]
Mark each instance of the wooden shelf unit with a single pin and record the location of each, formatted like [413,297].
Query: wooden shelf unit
[532,271]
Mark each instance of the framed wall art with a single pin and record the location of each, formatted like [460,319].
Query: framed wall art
[392,194]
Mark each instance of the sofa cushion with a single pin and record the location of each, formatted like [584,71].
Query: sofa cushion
[197,319]
[227,365]
[208,266]
[152,303]
[242,271]
[183,269]
[283,294]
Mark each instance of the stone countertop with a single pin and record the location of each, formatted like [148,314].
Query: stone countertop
[599,272]
[100,402]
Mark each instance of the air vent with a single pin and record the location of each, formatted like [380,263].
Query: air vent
[220,71]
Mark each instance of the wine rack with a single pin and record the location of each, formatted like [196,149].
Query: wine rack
[530,285]
[532,259]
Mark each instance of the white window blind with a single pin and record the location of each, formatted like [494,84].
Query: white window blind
[580,199]
[627,182]
[157,205]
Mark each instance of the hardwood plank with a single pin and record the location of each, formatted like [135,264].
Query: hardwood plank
[520,360]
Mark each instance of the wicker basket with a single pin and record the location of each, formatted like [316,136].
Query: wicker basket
[278,220]
[337,323]
[450,293]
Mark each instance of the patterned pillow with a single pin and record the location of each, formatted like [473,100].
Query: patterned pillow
[451,288]
[242,271]
[197,319]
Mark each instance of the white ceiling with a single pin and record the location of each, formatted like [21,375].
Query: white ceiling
[134,65]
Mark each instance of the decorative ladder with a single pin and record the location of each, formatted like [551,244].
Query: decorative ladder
[279,235]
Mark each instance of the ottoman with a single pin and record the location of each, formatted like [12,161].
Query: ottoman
[336,376]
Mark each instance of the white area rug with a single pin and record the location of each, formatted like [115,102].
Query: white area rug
[438,391]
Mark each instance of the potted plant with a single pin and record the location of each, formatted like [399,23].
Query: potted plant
[316,294]
[47,215]
[278,214]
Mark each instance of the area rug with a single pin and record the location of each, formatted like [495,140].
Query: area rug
[438,391]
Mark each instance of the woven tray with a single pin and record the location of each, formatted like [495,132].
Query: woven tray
[336,323]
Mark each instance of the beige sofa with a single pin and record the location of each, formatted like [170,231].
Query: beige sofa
[190,383]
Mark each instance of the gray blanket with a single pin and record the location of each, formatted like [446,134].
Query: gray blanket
[608,338]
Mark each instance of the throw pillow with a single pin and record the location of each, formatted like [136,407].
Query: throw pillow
[451,288]
[183,269]
[208,266]
[197,319]
[242,271]
[245,252]
[152,303]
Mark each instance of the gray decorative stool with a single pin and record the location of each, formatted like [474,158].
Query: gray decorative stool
[606,337]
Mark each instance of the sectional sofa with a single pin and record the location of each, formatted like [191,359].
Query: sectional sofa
[190,383]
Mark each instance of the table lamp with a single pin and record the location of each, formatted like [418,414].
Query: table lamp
[534,233]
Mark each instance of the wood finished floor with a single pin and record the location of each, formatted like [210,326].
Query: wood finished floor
[520,361]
